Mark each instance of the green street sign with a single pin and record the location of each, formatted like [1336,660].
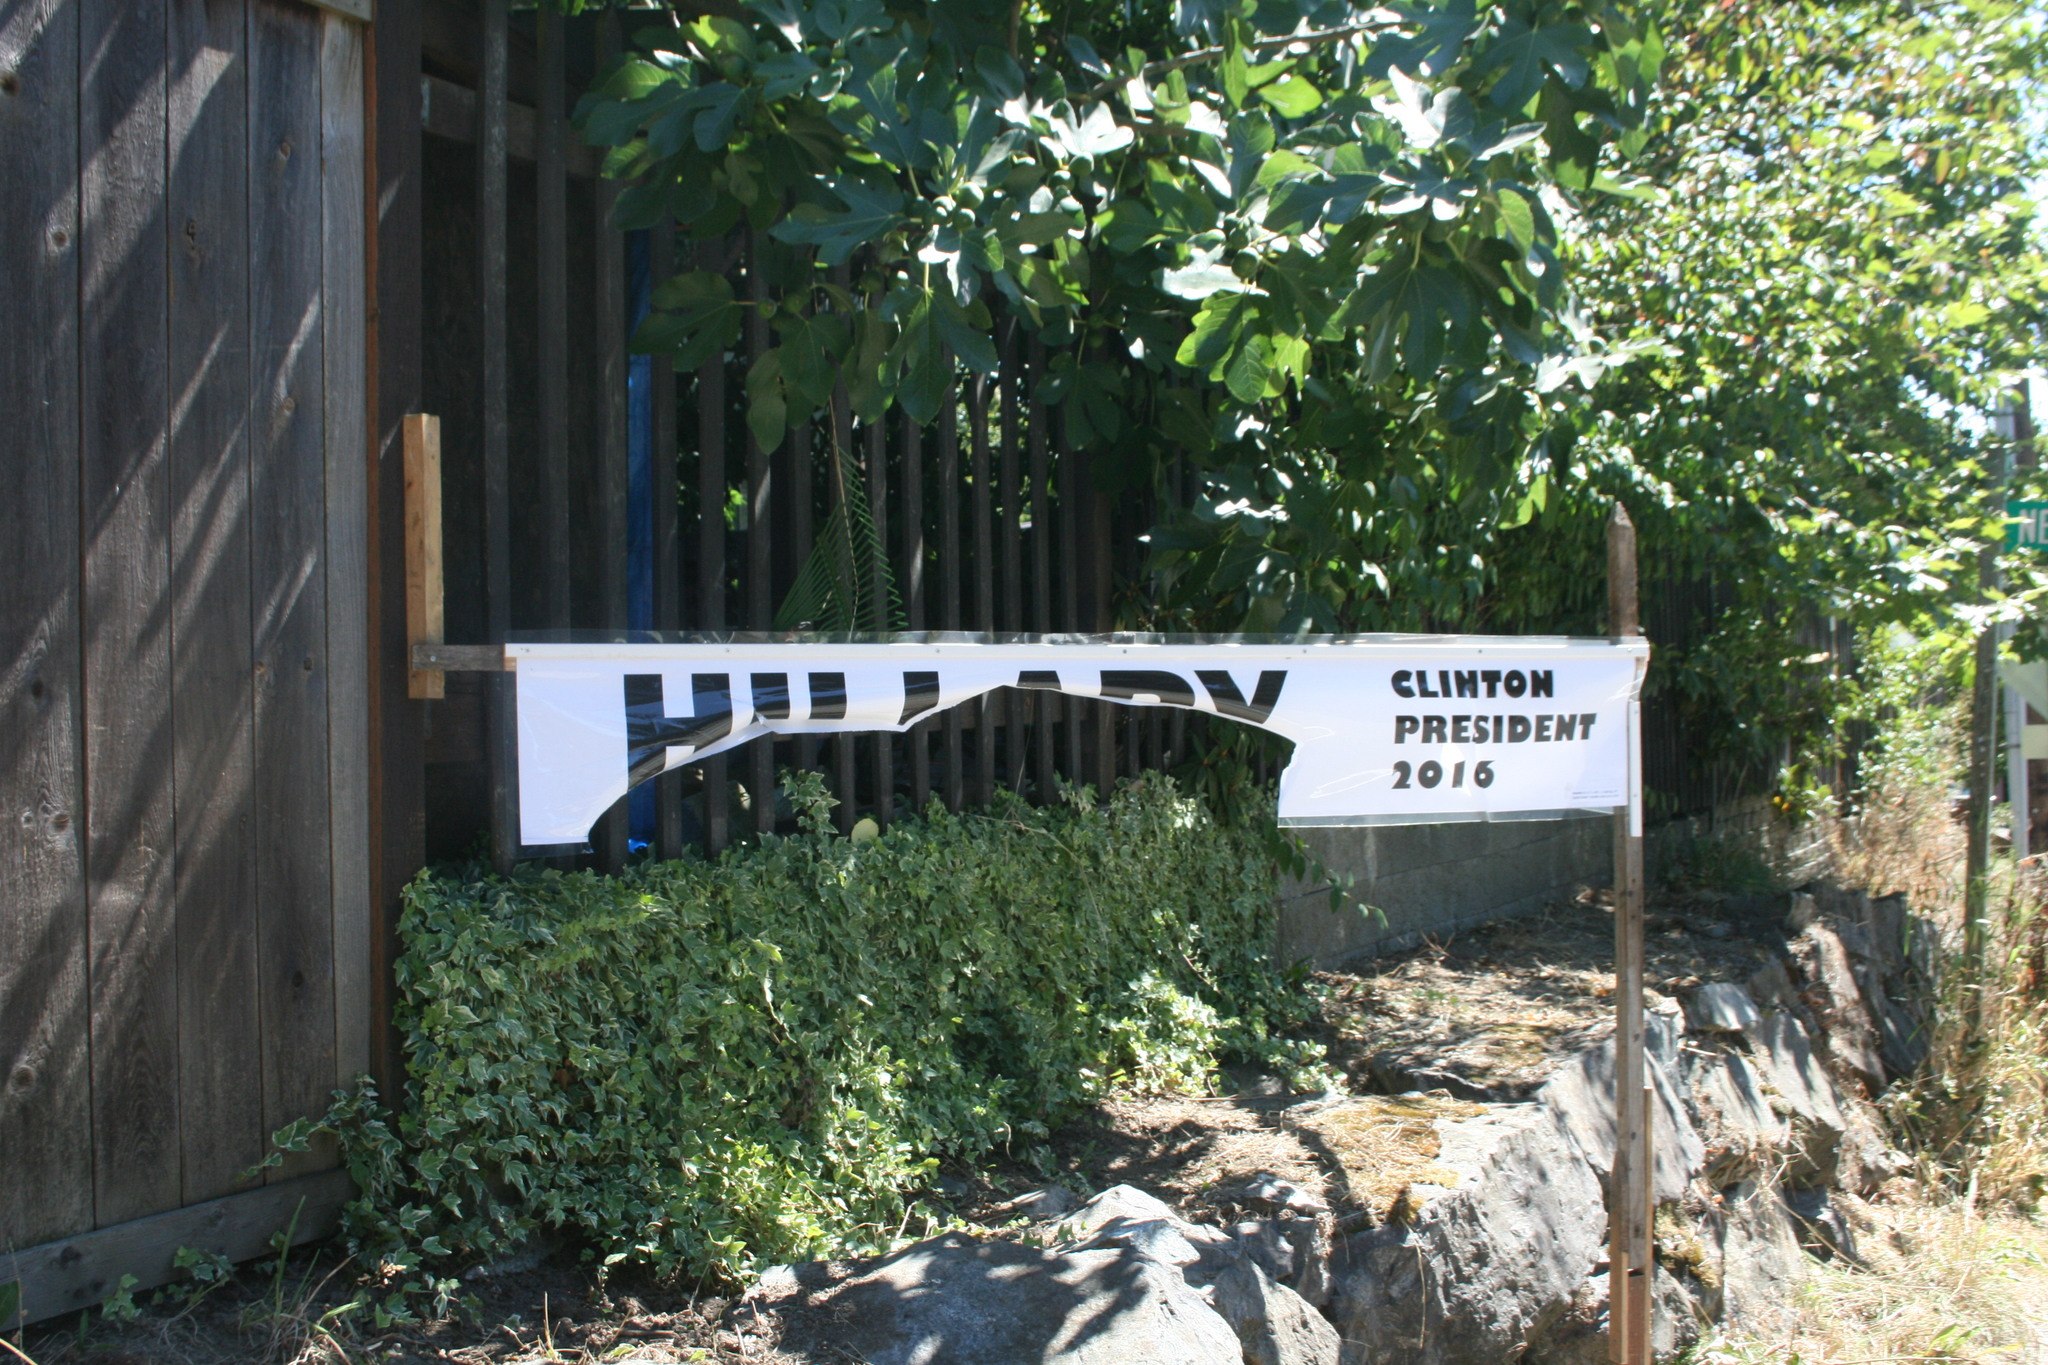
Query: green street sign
[2026,526]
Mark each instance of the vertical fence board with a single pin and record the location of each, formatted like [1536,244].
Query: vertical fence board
[711,546]
[609,345]
[45,1090]
[1097,536]
[1070,605]
[1052,705]
[845,765]
[918,740]
[551,276]
[126,551]
[288,491]
[398,778]
[220,1114]
[1018,712]
[491,258]
[343,302]
[668,607]
[952,778]
[984,582]
[874,438]
[761,519]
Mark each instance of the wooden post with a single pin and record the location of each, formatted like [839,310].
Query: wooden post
[492,152]
[423,594]
[1630,1197]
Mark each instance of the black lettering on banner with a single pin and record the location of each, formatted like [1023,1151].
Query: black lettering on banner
[651,731]
[1444,681]
[1405,726]
[1567,727]
[1433,730]
[1171,689]
[1230,702]
[1543,729]
[1044,679]
[1461,729]
[1491,677]
[1467,681]
[1518,729]
[771,696]
[1586,724]
[1515,683]
[1541,683]
[828,696]
[1479,729]
[1422,684]
[920,694]
[1403,684]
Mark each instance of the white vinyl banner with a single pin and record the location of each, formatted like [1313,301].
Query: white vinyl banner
[1387,729]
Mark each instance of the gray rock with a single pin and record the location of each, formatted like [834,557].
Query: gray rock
[1294,1251]
[1846,1028]
[1823,1229]
[1761,1263]
[1720,1007]
[1274,1325]
[1579,1336]
[1054,1201]
[1275,1194]
[999,1303]
[1805,1094]
[1581,1095]
[1479,1269]
[1803,912]
[1734,1117]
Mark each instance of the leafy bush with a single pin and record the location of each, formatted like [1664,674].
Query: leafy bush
[710,1066]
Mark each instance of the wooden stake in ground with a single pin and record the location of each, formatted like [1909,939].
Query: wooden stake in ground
[1631,1197]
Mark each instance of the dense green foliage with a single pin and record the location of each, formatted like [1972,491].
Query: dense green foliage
[707,1066]
[1834,270]
[1310,244]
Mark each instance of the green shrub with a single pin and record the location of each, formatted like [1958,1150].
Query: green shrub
[709,1066]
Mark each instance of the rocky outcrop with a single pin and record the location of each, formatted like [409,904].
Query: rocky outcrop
[1126,1281]
[1493,1247]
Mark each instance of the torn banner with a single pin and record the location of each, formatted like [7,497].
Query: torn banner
[1387,729]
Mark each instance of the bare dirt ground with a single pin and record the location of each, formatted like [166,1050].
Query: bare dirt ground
[1486,1015]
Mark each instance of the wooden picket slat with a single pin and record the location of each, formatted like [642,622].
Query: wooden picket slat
[952,777]
[46,1119]
[344,308]
[551,277]
[845,763]
[609,292]
[1051,706]
[711,547]
[220,1115]
[874,440]
[762,514]
[1070,474]
[668,567]
[287,422]
[917,742]
[989,708]
[492,365]
[125,403]
[1018,711]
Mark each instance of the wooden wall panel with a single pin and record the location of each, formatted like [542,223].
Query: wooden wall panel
[345,350]
[219,1041]
[125,526]
[398,778]
[45,1088]
[287,417]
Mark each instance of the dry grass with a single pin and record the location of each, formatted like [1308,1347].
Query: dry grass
[1949,1282]
[1382,1145]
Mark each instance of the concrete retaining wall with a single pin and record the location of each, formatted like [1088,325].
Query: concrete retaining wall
[1434,880]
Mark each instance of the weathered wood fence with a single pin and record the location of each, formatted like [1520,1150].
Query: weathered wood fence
[184,905]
